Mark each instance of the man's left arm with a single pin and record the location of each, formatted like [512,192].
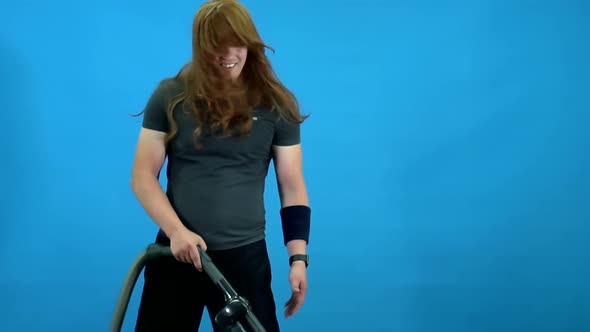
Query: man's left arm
[295,218]
[288,162]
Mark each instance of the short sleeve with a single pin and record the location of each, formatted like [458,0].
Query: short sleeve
[154,113]
[287,132]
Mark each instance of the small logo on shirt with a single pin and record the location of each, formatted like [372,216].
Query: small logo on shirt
[254,118]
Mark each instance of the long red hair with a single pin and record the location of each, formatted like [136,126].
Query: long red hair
[220,104]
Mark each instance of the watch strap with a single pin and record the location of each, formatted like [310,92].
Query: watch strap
[299,257]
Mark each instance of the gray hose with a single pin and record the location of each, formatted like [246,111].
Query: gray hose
[151,252]
[154,251]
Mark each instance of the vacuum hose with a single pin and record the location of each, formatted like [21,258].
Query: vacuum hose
[230,318]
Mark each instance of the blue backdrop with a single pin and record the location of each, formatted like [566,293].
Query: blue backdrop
[446,158]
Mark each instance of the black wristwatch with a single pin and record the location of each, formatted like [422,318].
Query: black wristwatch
[298,257]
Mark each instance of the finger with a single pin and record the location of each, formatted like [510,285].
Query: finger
[294,304]
[303,287]
[290,310]
[296,307]
[298,286]
[299,299]
[202,245]
[195,257]
[297,304]
[290,304]
[186,255]
[180,257]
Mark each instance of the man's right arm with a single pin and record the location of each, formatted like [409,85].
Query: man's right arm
[149,158]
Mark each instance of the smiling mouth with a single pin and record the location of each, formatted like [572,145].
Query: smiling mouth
[228,65]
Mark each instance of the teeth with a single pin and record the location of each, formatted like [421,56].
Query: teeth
[228,65]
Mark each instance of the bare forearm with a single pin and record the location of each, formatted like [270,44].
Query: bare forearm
[293,194]
[152,198]
[295,247]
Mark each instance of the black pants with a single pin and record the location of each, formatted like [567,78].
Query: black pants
[175,294]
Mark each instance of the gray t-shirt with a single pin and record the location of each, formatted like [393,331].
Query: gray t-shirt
[217,190]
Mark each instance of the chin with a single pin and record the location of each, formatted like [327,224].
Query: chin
[236,75]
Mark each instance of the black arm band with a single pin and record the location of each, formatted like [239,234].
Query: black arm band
[296,222]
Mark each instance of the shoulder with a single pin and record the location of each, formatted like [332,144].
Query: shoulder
[155,110]
[163,93]
[286,129]
[168,88]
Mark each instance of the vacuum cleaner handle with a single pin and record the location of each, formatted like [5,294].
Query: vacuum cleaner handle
[157,250]
[154,251]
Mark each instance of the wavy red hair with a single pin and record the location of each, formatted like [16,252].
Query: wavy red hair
[220,104]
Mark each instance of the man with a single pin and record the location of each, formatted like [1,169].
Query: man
[220,121]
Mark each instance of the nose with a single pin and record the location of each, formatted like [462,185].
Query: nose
[227,53]
[226,58]
[223,55]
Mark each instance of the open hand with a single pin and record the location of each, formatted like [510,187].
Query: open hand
[298,281]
